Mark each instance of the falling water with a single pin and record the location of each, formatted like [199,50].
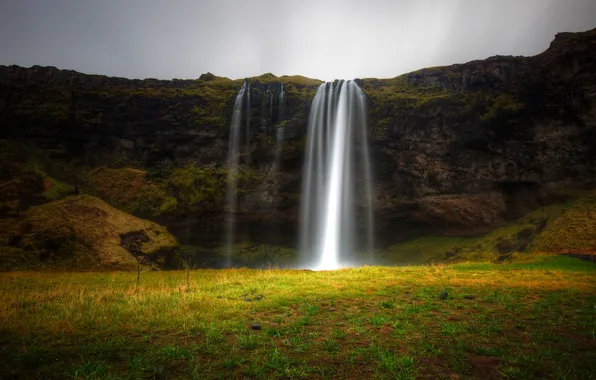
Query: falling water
[337,179]
[232,162]
[270,111]
[247,114]
[281,113]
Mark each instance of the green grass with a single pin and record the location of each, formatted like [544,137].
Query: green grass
[531,319]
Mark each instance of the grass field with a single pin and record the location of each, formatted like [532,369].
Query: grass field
[524,320]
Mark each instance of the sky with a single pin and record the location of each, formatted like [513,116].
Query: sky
[323,39]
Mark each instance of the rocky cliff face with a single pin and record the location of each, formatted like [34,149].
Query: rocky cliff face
[457,149]
[467,146]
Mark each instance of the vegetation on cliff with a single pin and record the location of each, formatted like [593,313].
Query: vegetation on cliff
[573,231]
[129,189]
[190,189]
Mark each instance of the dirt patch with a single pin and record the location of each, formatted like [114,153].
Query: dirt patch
[485,367]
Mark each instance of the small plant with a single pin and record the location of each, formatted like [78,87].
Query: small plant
[311,309]
[232,361]
[330,346]
[379,320]
[387,304]
[174,352]
[213,336]
[452,328]
[248,341]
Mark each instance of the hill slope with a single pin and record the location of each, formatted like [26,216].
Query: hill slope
[85,233]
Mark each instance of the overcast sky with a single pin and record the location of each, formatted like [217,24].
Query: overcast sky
[323,39]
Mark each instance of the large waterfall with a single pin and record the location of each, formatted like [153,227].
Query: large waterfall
[336,209]
[232,165]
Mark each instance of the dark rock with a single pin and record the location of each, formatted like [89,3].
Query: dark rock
[444,295]
[255,326]
[469,297]
[246,298]
[505,246]
[525,233]
[450,254]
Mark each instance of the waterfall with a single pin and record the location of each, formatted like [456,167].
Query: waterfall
[248,114]
[265,106]
[281,113]
[270,113]
[232,166]
[337,180]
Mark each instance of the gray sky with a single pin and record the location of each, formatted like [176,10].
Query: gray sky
[323,39]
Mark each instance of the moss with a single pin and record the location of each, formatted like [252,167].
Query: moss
[503,103]
[573,229]
[86,230]
[559,227]
[197,188]
[515,237]
[402,93]
[55,189]
[128,189]
[24,180]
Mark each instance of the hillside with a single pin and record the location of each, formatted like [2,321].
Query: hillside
[84,233]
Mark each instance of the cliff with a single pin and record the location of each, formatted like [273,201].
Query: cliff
[456,150]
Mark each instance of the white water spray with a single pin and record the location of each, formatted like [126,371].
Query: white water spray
[337,180]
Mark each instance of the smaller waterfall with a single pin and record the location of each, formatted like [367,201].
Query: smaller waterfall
[270,113]
[281,113]
[232,167]
[265,112]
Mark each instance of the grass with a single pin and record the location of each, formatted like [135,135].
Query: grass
[534,319]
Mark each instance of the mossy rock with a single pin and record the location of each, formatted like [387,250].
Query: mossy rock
[85,229]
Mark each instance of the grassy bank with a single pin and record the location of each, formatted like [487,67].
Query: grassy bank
[535,319]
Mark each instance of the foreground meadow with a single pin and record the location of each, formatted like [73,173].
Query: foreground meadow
[526,320]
